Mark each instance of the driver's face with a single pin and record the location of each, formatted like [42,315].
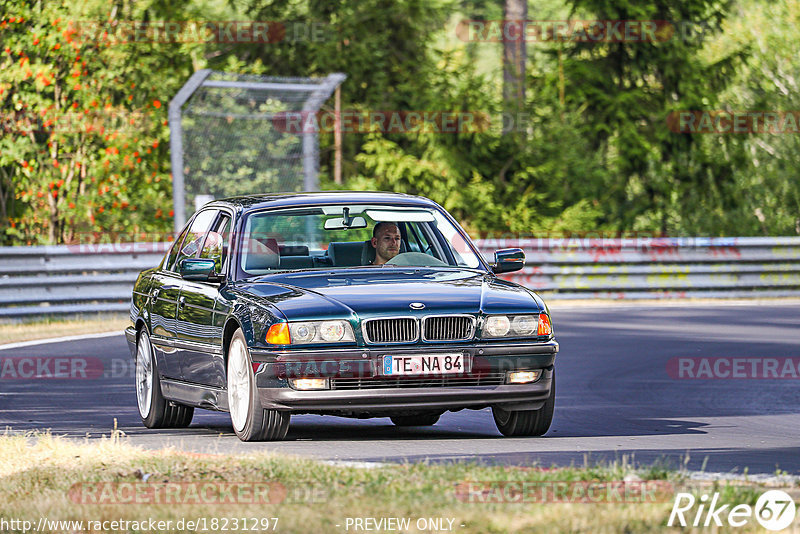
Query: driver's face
[387,244]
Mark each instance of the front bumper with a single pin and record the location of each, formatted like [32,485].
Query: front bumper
[130,337]
[273,368]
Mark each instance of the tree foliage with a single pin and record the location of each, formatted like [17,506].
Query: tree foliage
[84,146]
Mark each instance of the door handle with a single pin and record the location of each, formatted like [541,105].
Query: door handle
[181,301]
[155,293]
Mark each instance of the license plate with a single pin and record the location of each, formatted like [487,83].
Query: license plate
[425,364]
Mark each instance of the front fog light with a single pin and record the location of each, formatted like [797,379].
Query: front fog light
[309,383]
[497,326]
[522,377]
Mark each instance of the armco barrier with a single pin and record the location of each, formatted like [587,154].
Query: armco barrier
[643,267]
[96,278]
[67,279]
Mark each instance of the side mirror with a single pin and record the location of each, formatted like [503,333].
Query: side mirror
[198,270]
[508,260]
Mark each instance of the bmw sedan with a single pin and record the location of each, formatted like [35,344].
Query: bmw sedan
[355,304]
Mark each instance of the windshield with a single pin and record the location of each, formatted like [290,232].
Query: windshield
[342,236]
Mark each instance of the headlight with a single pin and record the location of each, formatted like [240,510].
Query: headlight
[320,332]
[303,333]
[515,326]
[332,330]
[524,325]
[497,326]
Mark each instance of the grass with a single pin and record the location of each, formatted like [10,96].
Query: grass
[43,328]
[39,474]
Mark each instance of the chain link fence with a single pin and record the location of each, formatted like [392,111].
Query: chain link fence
[228,136]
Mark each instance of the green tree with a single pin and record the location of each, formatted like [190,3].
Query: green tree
[85,115]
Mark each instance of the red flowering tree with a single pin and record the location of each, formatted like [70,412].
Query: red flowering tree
[84,144]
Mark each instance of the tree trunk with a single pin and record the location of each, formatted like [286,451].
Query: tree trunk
[515,13]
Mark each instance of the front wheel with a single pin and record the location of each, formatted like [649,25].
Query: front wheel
[527,422]
[154,409]
[250,421]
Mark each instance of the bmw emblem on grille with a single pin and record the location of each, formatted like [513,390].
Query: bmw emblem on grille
[416,306]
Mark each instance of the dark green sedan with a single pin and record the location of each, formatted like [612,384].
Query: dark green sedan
[356,304]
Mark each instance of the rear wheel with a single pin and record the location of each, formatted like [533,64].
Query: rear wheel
[250,421]
[416,420]
[154,409]
[527,422]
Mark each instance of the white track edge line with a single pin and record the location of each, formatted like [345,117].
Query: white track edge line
[77,337]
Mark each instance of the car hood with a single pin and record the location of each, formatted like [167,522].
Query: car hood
[380,292]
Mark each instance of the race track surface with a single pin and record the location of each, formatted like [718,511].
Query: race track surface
[618,396]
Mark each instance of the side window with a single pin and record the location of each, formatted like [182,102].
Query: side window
[216,244]
[194,238]
[173,252]
[417,240]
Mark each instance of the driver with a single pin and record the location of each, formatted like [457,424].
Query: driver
[386,241]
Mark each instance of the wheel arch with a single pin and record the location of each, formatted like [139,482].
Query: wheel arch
[140,325]
[232,324]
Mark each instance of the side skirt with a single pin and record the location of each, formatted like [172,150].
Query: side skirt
[205,397]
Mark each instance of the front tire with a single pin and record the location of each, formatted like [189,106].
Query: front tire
[250,421]
[154,409]
[527,422]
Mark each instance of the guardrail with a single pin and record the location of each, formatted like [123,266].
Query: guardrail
[688,267]
[67,279]
[98,278]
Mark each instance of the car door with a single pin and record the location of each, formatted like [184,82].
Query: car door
[162,304]
[200,336]
[167,292]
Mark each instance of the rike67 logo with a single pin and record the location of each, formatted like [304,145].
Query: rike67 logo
[774,510]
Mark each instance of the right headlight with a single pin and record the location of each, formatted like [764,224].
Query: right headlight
[321,332]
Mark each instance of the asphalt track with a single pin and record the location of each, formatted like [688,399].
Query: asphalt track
[616,399]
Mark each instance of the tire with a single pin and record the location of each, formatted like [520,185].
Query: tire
[154,409]
[250,421]
[425,419]
[526,422]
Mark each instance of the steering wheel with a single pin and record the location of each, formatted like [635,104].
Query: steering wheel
[415,259]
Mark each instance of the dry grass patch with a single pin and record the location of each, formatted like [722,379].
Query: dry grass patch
[58,327]
[98,480]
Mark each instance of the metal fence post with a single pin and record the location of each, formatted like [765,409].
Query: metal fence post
[237,134]
[176,146]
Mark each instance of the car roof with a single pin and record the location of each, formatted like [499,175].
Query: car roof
[279,200]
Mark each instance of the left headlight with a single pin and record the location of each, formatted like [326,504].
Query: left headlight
[499,326]
[303,332]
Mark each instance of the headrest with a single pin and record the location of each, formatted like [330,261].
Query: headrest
[294,250]
[345,253]
[367,253]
